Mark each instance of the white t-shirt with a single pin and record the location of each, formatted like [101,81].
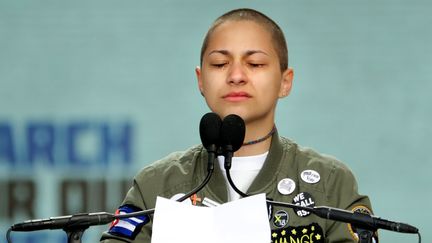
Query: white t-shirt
[243,171]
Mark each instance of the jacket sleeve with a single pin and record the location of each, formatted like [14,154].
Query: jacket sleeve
[139,233]
[164,178]
[342,192]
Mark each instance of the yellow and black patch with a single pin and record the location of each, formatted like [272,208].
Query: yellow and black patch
[299,234]
[353,230]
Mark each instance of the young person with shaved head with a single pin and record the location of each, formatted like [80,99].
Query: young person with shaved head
[244,71]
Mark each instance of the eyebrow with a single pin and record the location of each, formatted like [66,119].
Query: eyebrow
[248,52]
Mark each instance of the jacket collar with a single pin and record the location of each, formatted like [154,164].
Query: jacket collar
[263,183]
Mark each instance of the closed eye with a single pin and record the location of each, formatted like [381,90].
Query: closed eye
[256,65]
[218,65]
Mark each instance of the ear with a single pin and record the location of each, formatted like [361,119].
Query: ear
[200,84]
[286,84]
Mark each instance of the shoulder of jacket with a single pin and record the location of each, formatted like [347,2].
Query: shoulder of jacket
[179,160]
[308,158]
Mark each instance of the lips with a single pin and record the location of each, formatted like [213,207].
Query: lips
[237,96]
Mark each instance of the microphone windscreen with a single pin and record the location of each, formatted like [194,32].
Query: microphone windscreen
[233,131]
[210,126]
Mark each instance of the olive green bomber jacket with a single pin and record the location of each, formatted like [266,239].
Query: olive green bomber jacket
[332,184]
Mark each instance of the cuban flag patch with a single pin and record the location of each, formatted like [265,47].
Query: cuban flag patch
[128,227]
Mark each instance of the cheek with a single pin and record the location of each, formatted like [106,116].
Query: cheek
[276,85]
[210,85]
[270,88]
[209,90]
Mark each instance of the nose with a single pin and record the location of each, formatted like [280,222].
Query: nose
[236,75]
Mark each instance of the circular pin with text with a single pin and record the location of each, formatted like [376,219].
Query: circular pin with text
[303,199]
[280,219]
[310,176]
[286,186]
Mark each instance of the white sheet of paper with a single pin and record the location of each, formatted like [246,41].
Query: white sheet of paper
[243,220]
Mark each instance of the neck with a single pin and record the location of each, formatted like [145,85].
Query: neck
[254,149]
[254,132]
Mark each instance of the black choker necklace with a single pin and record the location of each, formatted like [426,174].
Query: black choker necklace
[259,140]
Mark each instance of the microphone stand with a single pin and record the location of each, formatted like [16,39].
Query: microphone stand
[74,235]
[364,235]
[75,225]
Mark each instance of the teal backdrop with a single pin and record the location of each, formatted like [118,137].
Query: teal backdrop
[92,91]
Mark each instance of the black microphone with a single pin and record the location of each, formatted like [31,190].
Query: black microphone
[232,136]
[210,127]
[363,220]
[63,222]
